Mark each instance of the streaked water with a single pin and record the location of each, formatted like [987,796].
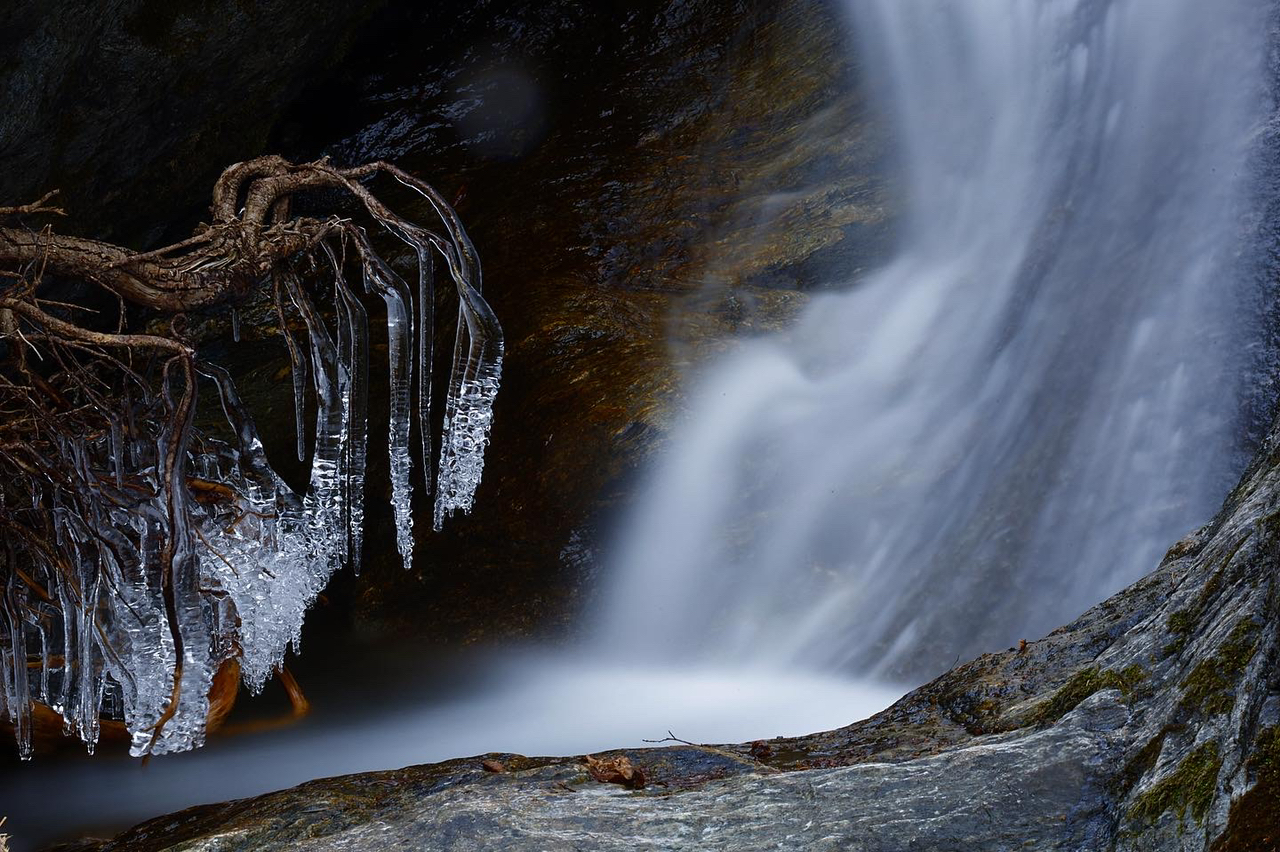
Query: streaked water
[1029,404]
[521,702]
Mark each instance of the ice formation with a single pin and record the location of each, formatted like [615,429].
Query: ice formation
[179,547]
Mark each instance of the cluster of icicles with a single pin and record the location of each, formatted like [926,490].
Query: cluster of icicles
[103,637]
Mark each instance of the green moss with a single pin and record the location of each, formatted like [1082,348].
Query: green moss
[1254,821]
[1137,766]
[974,710]
[1130,677]
[1081,685]
[1240,646]
[1189,788]
[1210,687]
[1182,622]
[1265,759]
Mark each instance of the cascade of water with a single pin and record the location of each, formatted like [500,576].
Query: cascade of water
[1019,413]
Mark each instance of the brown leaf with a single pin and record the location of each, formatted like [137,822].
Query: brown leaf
[616,770]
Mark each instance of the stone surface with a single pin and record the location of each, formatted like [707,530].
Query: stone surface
[872,806]
[638,194]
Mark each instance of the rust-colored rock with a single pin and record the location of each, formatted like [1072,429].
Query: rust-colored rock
[616,770]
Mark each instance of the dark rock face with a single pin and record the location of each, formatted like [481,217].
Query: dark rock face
[1149,723]
[133,107]
[638,192]
[638,189]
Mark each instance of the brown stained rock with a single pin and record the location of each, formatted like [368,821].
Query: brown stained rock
[696,183]
[615,770]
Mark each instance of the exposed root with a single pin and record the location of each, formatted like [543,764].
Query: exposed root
[138,553]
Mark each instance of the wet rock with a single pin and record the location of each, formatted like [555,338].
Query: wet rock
[686,175]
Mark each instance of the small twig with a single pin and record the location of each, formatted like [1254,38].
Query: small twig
[195,529]
[74,332]
[202,237]
[18,331]
[671,738]
[36,206]
[69,305]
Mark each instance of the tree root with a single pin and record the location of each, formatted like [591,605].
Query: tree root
[111,498]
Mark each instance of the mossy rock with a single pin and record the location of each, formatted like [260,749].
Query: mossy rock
[1210,687]
[1081,685]
[1253,824]
[1189,788]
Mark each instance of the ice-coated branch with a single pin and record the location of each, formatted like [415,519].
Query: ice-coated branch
[148,547]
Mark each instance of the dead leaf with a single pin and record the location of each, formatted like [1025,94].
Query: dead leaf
[616,770]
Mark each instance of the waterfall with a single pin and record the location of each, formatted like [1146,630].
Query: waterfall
[1017,415]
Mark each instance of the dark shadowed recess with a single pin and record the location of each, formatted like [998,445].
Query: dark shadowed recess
[615,170]
[619,169]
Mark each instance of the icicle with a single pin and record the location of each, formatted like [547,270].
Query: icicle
[117,452]
[89,673]
[473,386]
[187,627]
[66,606]
[477,357]
[354,327]
[298,366]
[426,353]
[251,456]
[381,280]
[331,429]
[17,683]
[44,660]
[130,429]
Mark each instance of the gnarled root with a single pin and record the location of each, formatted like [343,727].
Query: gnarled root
[138,553]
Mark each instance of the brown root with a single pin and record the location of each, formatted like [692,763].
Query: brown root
[112,501]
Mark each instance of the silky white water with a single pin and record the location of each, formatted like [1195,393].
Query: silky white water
[1018,414]
[523,702]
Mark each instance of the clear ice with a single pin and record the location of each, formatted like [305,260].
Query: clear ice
[180,548]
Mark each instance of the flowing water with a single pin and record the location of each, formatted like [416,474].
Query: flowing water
[1016,416]
[521,701]
[1010,421]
